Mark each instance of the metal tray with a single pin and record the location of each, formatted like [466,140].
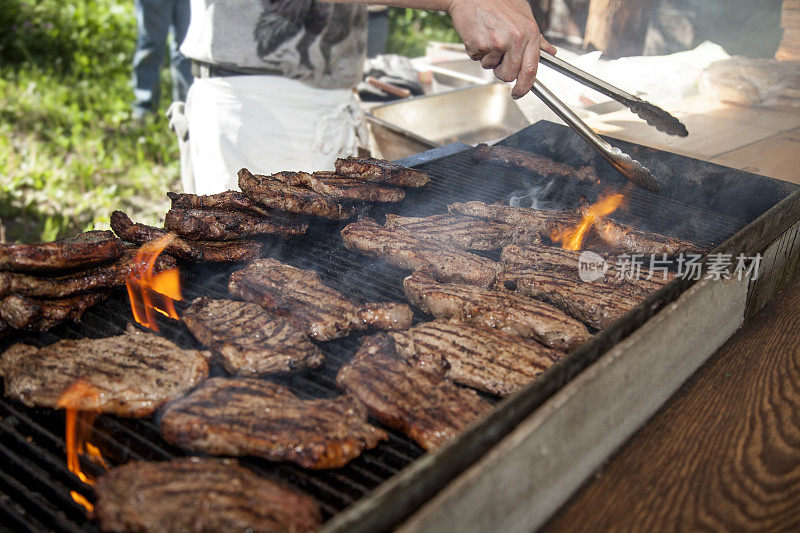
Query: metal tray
[471,115]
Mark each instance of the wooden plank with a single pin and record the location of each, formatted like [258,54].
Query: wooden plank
[533,470]
[780,263]
[723,454]
[617,27]
[776,157]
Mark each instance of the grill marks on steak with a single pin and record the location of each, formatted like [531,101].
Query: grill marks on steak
[342,188]
[495,308]
[248,339]
[256,417]
[187,250]
[481,358]
[82,251]
[34,314]
[534,220]
[226,201]
[136,372]
[308,304]
[96,278]
[463,232]
[535,163]
[428,410]
[402,249]
[221,225]
[276,194]
[195,494]
[381,171]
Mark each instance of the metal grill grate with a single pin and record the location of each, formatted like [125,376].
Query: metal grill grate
[34,480]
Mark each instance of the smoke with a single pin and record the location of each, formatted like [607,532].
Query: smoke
[532,197]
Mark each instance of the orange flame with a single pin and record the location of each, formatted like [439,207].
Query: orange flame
[150,292]
[573,239]
[81,402]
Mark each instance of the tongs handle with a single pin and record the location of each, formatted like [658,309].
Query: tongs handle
[627,166]
[653,115]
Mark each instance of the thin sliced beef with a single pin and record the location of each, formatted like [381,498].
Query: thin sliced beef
[545,223]
[34,314]
[225,201]
[135,373]
[534,163]
[482,358]
[381,171]
[221,225]
[82,251]
[198,494]
[495,308]
[342,188]
[402,249]
[256,417]
[427,409]
[248,339]
[311,306]
[464,232]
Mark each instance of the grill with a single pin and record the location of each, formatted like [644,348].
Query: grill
[699,201]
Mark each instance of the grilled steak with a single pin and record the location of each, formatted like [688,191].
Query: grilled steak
[308,304]
[188,250]
[275,194]
[135,372]
[221,225]
[82,251]
[530,162]
[404,250]
[194,494]
[592,304]
[427,409]
[633,241]
[225,201]
[381,171]
[248,339]
[481,358]
[533,220]
[463,232]
[342,188]
[93,279]
[567,262]
[495,308]
[23,312]
[255,417]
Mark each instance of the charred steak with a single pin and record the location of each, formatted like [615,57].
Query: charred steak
[243,416]
[276,194]
[495,308]
[82,251]
[188,250]
[478,357]
[381,171]
[530,162]
[135,372]
[96,278]
[464,232]
[34,314]
[195,494]
[248,339]
[634,241]
[402,249]
[225,201]
[342,188]
[427,409]
[308,304]
[221,225]
[533,220]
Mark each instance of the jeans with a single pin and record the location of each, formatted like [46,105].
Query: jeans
[155,19]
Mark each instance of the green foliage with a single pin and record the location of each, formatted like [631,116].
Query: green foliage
[69,153]
[411,29]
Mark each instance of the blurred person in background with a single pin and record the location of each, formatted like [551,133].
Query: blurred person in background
[155,20]
[274,79]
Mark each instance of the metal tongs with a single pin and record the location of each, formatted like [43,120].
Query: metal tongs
[653,115]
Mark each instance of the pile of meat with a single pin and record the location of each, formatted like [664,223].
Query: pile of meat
[227,227]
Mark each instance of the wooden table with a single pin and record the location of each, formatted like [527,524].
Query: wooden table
[724,452]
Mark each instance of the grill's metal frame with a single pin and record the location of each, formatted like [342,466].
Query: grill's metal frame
[386,486]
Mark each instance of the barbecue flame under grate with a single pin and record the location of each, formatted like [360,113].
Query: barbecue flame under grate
[150,292]
[81,402]
[573,239]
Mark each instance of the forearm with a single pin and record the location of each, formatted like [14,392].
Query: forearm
[432,5]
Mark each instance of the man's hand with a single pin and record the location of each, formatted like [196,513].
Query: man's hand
[503,36]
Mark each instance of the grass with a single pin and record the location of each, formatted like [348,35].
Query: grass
[69,153]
